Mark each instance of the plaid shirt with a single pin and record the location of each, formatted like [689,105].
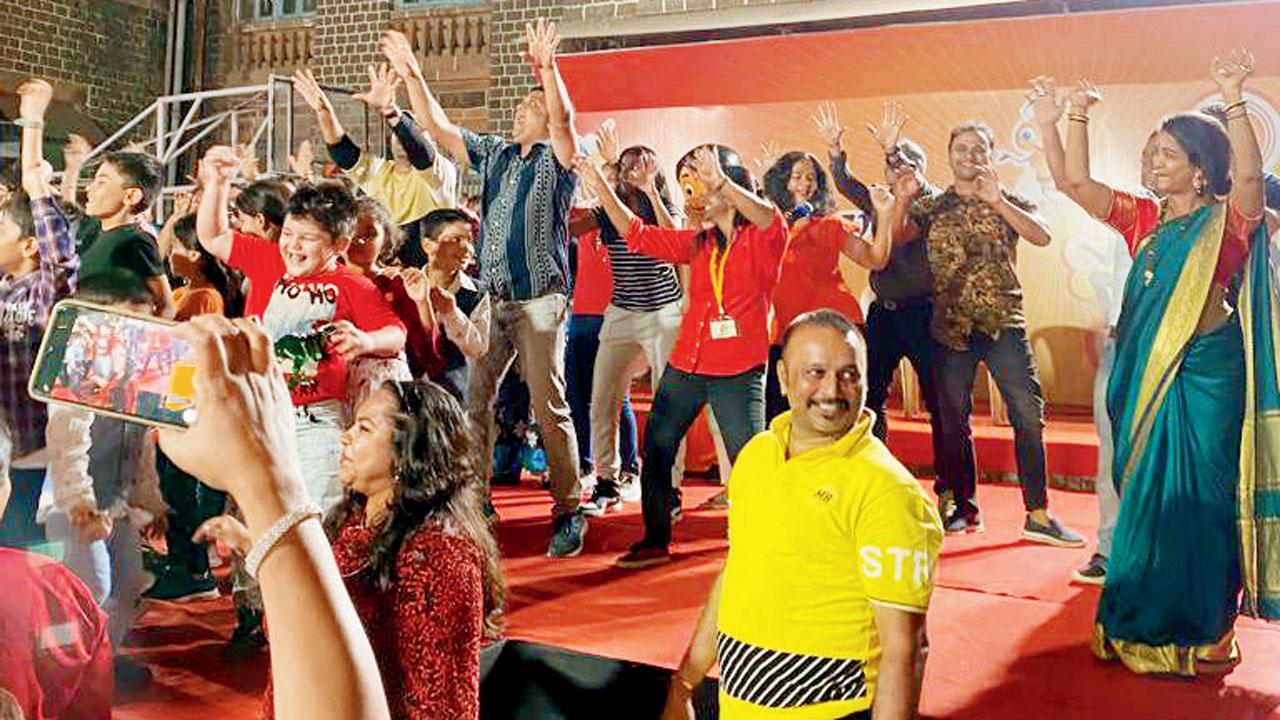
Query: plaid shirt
[24,309]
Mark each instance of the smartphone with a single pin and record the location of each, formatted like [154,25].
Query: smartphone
[116,363]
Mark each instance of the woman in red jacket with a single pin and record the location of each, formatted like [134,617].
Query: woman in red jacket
[733,248]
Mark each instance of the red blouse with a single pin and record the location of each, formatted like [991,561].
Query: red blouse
[427,630]
[750,275]
[1136,216]
[810,277]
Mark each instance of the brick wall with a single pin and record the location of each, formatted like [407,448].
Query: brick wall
[345,39]
[112,50]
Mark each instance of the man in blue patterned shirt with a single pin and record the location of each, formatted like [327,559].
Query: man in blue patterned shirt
[528,186]
[38,267]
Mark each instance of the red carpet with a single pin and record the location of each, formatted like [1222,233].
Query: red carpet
[1009,636]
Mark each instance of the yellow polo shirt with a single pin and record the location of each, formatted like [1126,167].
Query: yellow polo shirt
[814,542]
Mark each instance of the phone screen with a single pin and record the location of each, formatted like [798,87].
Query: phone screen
[114,363]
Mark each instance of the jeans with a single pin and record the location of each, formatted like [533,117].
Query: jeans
[111,568]
[1011,364]
[190,502]
[319,431]
[894,332]
[580,357]
[627,339]
[1108,496]
[532,335]
[738,403]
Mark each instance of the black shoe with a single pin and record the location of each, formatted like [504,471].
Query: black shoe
[1093,572]
[964,520]
[177,585]
[130,674]
[677,512]
[1055,533]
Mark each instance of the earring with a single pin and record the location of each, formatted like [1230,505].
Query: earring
[1198,183]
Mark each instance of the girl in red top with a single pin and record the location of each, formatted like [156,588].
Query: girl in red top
[810,276]
[733,248]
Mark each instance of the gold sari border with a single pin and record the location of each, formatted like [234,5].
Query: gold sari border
[1164,659]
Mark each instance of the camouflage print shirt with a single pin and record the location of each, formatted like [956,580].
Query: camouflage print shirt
[973,258]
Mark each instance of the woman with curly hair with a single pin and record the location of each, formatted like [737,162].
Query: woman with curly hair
[415,550]
[810,276]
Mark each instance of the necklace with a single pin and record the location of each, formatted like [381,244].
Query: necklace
[1151,255]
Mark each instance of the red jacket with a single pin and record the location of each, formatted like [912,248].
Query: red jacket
[750,274]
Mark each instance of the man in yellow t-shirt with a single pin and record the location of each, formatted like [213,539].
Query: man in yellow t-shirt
[833,545]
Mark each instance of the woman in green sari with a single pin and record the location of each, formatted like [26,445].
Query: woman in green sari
[1177,397]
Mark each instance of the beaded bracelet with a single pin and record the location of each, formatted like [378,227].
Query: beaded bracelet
[272,536]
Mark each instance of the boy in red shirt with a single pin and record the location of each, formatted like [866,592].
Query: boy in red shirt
[320,313]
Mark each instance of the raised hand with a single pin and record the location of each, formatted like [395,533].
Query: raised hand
[644,175]
[1046,106]
[248,161]
[608,136]
[383,84]
[34,96]
[1230,73]
[220,164]
[182,203]
[882,199]
[988,185]
[707,163]
[301,161]
[768,153]
[75,151]
[887,133]
[305,83]
[1083,96]
[829,127]
[396,49]
[590,174]
[543,40]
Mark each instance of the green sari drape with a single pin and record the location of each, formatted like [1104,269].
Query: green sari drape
[1177,403]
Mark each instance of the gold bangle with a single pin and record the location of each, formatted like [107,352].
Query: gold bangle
[1232,106]
[1078,117]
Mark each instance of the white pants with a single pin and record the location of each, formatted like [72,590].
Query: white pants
[319,429]
[628,337]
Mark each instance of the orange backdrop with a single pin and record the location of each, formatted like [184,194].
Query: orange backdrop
[759,95]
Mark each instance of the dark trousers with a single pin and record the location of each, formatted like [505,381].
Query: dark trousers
[894,332]
[775,403]
[579,366]
[737,401]
[190,504]
[1013,368]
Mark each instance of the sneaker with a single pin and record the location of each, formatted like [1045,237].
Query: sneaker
[130,674]
[177,585]
[567,533]
[629,487]
[1093,572]
[1055,533]
[642,556]
[964,521]
[604,497]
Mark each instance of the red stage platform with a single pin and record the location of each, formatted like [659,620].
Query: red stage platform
[1009,636]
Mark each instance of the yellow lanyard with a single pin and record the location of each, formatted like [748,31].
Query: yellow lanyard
[717,273]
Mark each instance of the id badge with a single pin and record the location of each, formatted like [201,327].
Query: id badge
[723,328]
